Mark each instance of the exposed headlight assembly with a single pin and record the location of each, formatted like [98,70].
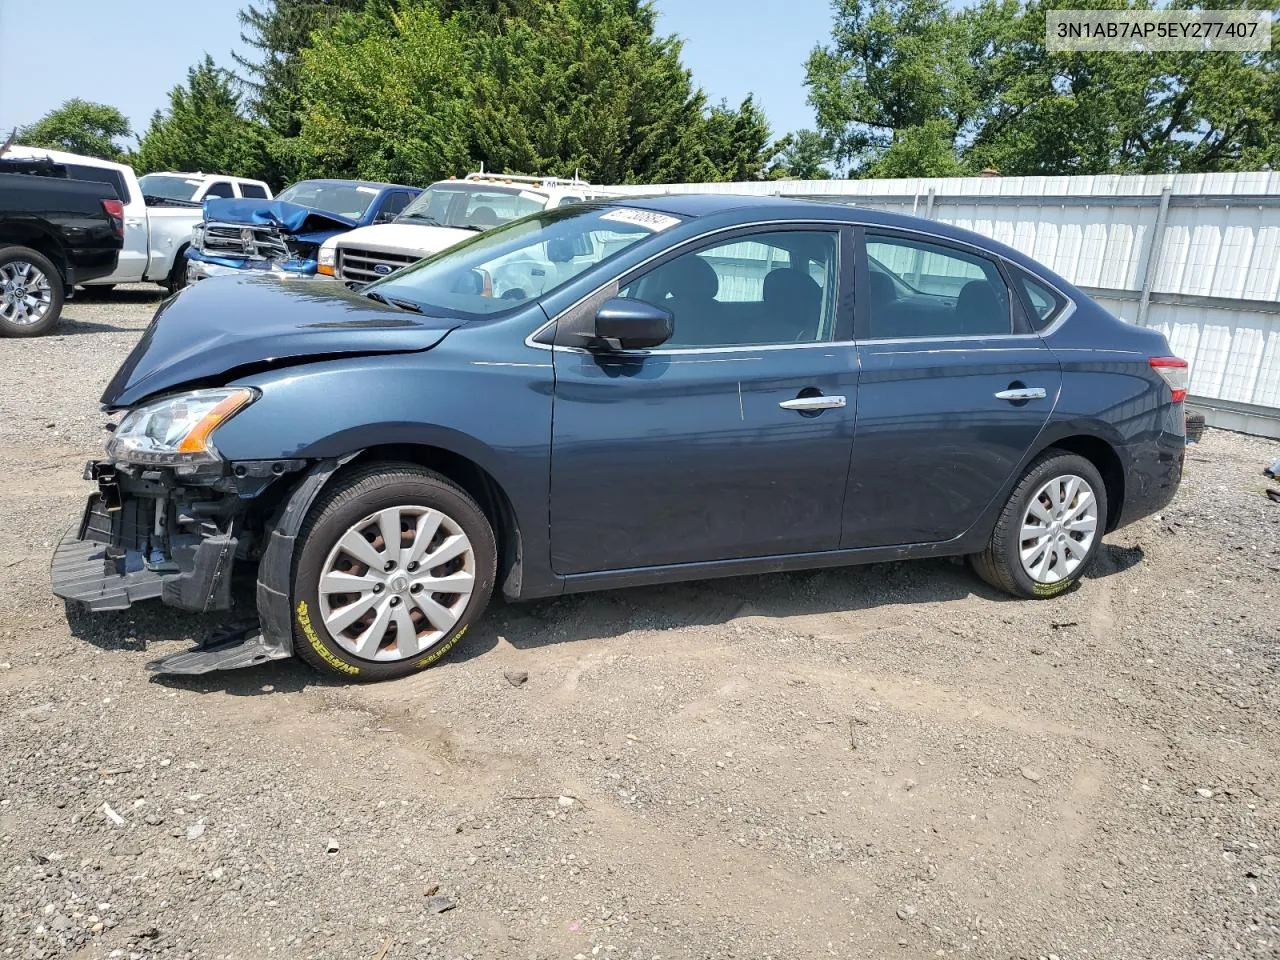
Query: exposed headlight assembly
[174,432]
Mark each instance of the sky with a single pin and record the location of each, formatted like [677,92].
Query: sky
[129,53]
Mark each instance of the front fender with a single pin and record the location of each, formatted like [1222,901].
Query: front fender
[494,413]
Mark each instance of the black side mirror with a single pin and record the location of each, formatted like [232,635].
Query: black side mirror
[623,324]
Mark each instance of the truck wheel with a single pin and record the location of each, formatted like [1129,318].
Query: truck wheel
[396,562]
[1049,532]
[30,293]
[177,278]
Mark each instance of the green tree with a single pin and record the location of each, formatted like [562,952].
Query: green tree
[801,155]
[80,126]
[205,129]
[419,90]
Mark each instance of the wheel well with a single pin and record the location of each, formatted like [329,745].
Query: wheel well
[41,243]
[1103,456]
[482,487]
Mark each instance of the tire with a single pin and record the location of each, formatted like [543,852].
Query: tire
[31,293]
[383,602]
[1195,426]
[1001,564]
[177,278]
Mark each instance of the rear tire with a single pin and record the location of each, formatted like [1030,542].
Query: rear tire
[364,612]
[177,278]
[31,293]
[1049,532]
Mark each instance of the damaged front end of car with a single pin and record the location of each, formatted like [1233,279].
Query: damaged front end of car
[275,237]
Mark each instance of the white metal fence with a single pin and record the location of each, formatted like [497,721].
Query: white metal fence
[1196,256]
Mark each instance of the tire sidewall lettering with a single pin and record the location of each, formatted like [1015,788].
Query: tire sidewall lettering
[303,617]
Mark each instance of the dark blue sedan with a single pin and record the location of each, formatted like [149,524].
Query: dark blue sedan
[613,394]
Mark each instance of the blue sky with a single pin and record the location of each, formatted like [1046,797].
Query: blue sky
[129,53]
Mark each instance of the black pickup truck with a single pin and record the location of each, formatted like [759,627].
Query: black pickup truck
[54,233]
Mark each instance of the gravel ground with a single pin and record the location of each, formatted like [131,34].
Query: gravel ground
[883,761]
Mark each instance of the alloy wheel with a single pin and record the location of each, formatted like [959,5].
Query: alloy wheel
[396,582]
[26,296]
[1058,528]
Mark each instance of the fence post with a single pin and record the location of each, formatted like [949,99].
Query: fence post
[928,204]
[1154,248]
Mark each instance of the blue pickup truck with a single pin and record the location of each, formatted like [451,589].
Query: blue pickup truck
[283,236]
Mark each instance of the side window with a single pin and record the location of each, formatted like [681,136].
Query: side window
[1045,303]
[770,288]
[393,204]
[920,289]
[253,191]
[220,188]
[115,178]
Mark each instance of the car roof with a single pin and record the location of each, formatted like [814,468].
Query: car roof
[200,176]
[756,209]
[356,183]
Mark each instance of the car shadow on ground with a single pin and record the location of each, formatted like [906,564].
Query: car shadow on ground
[130,294]
[70,326]
[602,615]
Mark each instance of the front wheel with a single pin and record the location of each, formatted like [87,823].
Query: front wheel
[30,293]
[1050,530]
[396,563]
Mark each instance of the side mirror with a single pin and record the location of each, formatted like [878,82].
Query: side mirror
[385,217]
[623,324]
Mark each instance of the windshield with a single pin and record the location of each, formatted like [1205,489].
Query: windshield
[168,187]
[345,199]
[512,265]
[468,207]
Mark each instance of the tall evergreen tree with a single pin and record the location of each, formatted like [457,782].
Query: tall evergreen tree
[204,129]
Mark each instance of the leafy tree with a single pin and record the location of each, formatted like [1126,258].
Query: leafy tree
[737,141]
[801,155]
[910,88]
[80,126]
[204,129]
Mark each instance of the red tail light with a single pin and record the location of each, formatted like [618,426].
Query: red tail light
[115,210]
[1176,374]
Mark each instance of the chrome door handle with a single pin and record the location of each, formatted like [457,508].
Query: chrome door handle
[812,403]
[1023,393]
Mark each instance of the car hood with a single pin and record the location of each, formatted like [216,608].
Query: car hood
[406,238]
[227,326]
[288,217]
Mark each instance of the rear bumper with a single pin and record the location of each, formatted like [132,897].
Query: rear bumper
[1152,475]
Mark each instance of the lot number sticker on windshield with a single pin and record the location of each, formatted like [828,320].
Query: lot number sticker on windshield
[642,218]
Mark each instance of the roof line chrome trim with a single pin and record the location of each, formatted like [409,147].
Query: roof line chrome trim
[1053,327]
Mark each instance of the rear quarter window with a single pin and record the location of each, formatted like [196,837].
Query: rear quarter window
[1043,302]
[253,190]
[115,178]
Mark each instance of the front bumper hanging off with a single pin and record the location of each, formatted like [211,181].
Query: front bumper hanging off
[124,550]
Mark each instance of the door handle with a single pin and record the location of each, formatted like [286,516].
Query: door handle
[1022,393]
[806,404]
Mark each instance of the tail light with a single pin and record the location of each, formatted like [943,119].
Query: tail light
[1175,372]
[115,210]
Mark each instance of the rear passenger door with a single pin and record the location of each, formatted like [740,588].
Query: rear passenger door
[954,389]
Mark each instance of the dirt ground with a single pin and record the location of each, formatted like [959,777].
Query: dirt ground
[882,761]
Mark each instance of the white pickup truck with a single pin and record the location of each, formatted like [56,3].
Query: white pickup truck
[446,213]
[159,211]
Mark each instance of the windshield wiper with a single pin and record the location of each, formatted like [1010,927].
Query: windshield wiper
[421,216]
[393,301]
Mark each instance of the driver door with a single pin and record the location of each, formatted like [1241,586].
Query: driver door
[731,440]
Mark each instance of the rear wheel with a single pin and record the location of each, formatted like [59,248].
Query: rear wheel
[396,563]
[30,293]
[1050,530]
[177,278]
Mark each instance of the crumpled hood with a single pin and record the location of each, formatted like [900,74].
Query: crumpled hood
[405,237]
[288,217]
[227,324]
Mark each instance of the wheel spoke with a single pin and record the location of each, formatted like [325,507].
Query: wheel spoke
[338,582]
[423,533]
[460,582]
[366,645]
[343,617]
[1085,525]
[440,616]
[354,543]
[452,548]
[1030,553]
[389,527]
[1084,503]
[1074,549]
[1039,511]
[407,642]
[1033,532]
